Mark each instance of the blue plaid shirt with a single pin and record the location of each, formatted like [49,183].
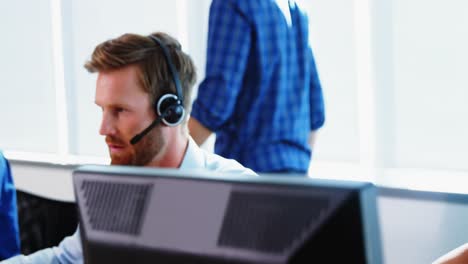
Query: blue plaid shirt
[9,232]
[261,94]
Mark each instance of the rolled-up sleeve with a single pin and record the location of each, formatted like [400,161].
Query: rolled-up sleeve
[227,54]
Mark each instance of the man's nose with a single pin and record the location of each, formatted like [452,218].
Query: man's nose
[107,125]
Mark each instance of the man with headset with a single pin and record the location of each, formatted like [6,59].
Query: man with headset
[144,116]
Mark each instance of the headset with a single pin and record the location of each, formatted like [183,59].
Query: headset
[169,107]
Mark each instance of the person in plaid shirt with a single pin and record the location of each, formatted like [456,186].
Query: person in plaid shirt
[261,94]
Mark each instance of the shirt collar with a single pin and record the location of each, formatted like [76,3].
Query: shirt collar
[192,158]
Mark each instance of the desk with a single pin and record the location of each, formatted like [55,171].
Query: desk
[44,180]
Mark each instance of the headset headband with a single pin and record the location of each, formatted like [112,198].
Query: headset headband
[172,69]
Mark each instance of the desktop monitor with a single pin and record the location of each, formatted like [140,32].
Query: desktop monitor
[147,215]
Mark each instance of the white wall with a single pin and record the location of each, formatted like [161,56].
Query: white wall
[27,101]
[332,30]
[430,66]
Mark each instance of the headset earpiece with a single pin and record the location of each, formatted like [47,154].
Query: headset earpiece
[170,109]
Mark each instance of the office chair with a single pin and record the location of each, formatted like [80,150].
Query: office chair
[43,222]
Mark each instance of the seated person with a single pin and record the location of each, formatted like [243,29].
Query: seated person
[456,256]
[9,235]
[145,109]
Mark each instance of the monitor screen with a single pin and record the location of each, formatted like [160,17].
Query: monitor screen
[148,215]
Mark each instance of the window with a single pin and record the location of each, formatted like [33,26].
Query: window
[27,92]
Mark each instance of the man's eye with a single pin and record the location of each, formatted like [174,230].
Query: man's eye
[119,110]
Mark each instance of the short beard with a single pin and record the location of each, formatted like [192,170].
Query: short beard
[144,151]
[149,147]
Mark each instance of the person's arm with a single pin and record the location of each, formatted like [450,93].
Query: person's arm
[228,47]
[456,256]
[45,256]
[198,131]
[68,251]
